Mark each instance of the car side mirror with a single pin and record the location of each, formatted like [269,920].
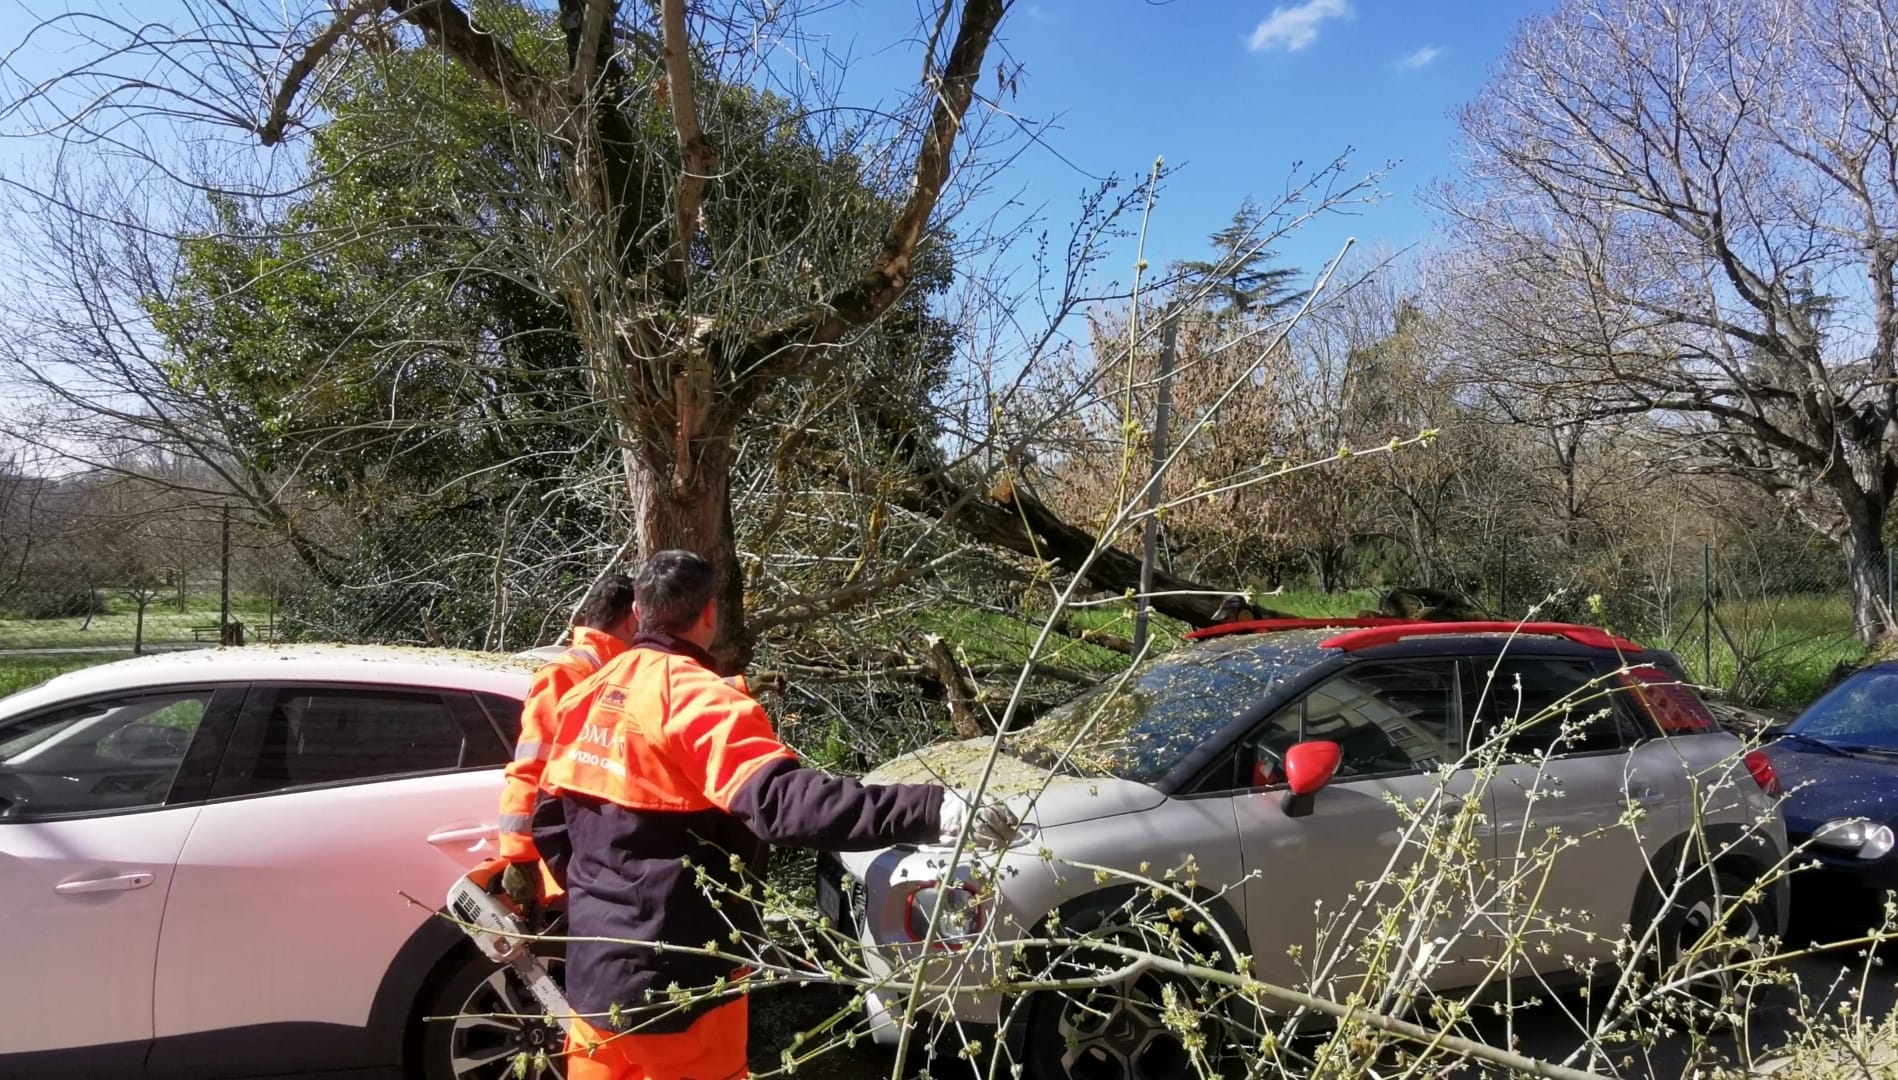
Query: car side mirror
[1309,766]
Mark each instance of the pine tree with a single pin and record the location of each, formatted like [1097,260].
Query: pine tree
[1241,280]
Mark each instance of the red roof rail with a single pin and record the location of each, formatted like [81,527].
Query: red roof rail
[1267,626]
[1592,636]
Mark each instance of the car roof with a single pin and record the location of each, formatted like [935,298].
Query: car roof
[393,665]
[1310,645]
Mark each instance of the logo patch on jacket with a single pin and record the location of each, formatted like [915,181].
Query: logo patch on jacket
[614,697]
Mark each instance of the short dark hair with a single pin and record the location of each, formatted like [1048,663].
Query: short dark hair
[673,587]
[607,602]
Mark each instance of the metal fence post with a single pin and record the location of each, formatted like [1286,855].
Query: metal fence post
[1163,403]
[1706,613]
[224,577]
[1502,581]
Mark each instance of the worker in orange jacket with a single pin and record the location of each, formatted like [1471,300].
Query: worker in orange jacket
[603,627]
[674,773]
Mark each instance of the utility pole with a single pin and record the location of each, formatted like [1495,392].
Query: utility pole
[1163,403]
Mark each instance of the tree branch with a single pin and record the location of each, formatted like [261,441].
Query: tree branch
[1023,524]
[271,133]
[958,686]
[780,351]
[698,158]
[484,56]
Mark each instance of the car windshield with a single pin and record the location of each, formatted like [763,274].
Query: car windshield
[1861,713]
[1142,726]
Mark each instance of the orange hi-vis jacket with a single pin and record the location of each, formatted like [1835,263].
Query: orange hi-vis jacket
[540,732]
[672,786]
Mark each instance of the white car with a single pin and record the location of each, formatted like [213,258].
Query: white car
[204,859]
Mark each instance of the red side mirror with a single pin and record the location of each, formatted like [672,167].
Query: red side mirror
[1309,766]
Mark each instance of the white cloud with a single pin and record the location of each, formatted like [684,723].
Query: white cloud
[1422,58]
[1293,28]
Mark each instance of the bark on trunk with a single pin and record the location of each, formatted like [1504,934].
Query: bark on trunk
[696,518]
[1866,566]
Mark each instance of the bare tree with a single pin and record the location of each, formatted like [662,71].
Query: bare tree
[1698,202]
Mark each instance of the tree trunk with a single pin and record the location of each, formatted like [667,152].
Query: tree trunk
[696,517]
[1865,561]
[138,628]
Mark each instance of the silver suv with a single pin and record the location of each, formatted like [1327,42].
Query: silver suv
[1273,772]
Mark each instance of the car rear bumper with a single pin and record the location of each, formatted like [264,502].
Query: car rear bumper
[844,901]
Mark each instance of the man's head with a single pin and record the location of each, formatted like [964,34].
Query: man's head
[677,594]
[608,608]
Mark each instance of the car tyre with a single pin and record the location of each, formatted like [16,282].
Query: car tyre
[1710,994]
[1116,1031]
[469,1030]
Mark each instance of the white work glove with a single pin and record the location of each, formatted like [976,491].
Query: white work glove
[994,824]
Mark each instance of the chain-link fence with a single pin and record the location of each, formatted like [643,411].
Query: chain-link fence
[87,582]
[1767,618]
[1763,623]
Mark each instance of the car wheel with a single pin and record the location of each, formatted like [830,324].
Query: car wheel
[1705,930]
[477,1023]
[1117,1030]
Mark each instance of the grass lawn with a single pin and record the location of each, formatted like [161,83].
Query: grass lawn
[164,625]
[19,672]
[1775,651]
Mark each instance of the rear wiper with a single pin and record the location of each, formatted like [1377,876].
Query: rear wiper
[1881,751]
[1820,743]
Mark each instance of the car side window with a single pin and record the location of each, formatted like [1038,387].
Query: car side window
[307,736]
[117,754]
[1544,705]
[1386,717]
[506,714]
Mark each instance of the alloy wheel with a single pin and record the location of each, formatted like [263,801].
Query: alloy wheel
[1115,1032]
[1709,953]
[498,1023]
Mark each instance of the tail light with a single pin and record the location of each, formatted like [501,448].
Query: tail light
[962,915]
[1675,708]
[1761,767]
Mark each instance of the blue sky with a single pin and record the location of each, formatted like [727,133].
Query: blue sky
[1231,92]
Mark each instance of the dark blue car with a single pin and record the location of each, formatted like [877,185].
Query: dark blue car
[1838,763]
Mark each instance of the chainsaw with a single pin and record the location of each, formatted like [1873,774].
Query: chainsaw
[499,929]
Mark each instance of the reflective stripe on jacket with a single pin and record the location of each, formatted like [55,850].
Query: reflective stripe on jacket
[674,772]
[540,730]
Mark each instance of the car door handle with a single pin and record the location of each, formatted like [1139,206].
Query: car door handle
[472,835]
[121,883]
[1636,797]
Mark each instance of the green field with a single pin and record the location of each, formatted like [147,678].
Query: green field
[34,650]
[1774,651]
[164,625]
[20,672]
